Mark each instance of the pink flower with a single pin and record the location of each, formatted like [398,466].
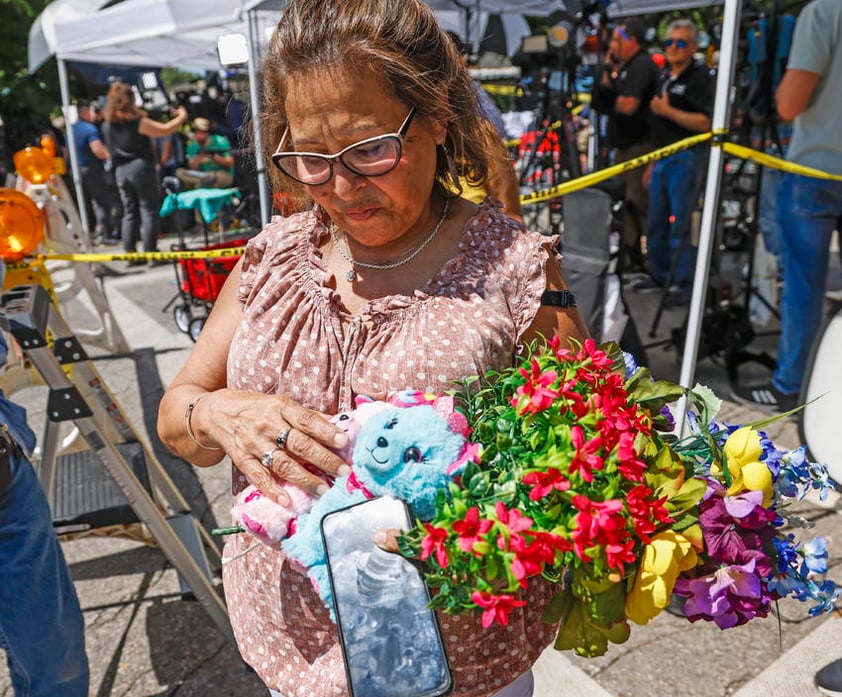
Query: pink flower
[433,543]
[545,482]
[512,518]
[597,523]
[470,529]
[497,607]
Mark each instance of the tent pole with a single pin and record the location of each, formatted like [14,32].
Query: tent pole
[720,120]
[254,96]
[71,147]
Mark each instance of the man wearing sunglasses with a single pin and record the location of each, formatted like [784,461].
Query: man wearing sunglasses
[681,108]
[625,86]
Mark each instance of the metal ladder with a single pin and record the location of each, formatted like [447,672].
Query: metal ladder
[77,393]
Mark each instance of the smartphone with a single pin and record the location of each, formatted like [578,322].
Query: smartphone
[390,639]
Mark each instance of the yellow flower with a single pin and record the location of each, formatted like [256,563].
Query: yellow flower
[667,555]
[742,453]
[742,447]
[757,477]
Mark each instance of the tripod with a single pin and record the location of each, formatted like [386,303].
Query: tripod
[547,155]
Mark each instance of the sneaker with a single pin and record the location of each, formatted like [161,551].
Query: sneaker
[765,397]
[676,298]
[646,286]
[829,679]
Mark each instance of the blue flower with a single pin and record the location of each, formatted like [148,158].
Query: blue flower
[825,594]
[815,555]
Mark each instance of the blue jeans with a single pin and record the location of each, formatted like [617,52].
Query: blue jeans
[808,212]
[767,214]
[673,196]
[41,625]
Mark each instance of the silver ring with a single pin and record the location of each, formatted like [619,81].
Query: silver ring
[281,440]
[267,458]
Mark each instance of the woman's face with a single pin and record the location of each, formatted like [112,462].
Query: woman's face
[328,111]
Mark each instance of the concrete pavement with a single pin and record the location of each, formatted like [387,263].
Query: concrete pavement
[145,641]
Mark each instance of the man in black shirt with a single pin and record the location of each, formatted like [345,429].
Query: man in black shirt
[625,87]
[681,108]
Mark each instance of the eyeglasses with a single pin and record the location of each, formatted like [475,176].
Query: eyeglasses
[678,43]
[372,157]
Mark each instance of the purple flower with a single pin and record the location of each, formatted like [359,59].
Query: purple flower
[737,529]
[730,595]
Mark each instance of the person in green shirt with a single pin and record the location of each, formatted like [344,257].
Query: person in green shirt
[209,159]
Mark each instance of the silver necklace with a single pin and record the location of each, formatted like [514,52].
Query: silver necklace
[351,275]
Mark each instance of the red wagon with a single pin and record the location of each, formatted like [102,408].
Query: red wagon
[199,282]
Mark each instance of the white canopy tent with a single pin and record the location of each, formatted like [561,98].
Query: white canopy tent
[625,8]
[42,34]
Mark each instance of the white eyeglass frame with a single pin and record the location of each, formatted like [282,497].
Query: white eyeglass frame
[398,135]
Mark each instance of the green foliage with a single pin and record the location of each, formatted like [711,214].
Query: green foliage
[26,101]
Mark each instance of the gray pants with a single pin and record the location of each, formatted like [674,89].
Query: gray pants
[138,187]
[99,194]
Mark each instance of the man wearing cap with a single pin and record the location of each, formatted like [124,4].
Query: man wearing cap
[209,159]
[625,87]
[91,153]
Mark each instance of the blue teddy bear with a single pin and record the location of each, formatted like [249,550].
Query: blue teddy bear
[409,453]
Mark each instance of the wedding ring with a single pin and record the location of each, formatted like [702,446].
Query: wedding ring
[281,440]
[267,458]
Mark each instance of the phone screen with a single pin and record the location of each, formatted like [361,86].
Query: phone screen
[390,638]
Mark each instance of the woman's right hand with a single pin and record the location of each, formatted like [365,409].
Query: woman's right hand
[255,428]
[180,113]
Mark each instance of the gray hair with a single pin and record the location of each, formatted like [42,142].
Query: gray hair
[685,24]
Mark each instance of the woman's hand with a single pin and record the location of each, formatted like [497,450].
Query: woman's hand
[269,436]
[180,113]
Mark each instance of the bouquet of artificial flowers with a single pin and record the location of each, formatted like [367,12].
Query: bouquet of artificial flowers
[581,483]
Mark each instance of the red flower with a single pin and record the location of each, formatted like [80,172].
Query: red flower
[585,459]
[497,607]
[433,543]
[470,529]
[631,466]
[597,523]
[646,512]
[545,482]
[532,555]
[620,554]
[537,391]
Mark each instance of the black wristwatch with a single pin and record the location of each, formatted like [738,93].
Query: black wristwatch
[558,298]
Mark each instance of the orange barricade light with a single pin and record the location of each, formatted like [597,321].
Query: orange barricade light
[21,225]
[48,145]
[34,165]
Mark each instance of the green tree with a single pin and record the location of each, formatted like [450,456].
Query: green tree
[26,101]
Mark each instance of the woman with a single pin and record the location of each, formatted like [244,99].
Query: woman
[389,282]
[127,132]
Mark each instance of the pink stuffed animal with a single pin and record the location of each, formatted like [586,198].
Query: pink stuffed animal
[271,522]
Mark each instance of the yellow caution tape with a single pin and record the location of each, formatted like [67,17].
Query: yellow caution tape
[146,256]
[620,168]
[741,151]
[503,89]
[762,158]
